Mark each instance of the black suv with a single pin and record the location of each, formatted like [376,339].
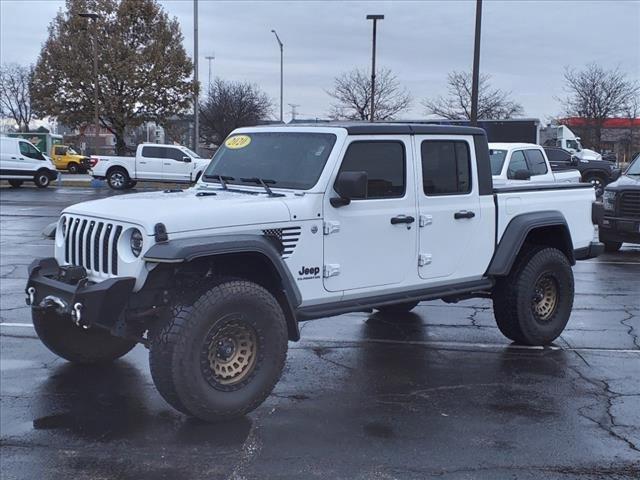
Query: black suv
[619,218]
[598,173]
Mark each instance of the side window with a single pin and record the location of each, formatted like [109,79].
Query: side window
[535,159]
[384,163]
[153,152]
[60,151]
[446,167]
[30,151]
[555,155]
[518,162]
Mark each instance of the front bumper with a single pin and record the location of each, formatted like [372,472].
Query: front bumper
[619,229]
[88,304]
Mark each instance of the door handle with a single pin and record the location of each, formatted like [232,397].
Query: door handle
[167,164]
[13,158]
[402,219]
[463,214]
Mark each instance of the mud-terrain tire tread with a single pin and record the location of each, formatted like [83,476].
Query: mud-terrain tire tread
[171,342]
[75,344]
[506,293]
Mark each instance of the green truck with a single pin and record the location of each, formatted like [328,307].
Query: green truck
[43,141]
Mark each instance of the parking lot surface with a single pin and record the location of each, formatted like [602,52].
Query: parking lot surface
[436,393]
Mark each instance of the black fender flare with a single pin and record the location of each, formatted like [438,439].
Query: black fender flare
[189,249]
[517,232]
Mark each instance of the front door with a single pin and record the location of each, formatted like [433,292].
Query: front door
[175,169]
[456,227]
[372,241]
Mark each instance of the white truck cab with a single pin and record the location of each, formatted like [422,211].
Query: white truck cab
[21,161]
[152,163]
[292,223]
[514,163]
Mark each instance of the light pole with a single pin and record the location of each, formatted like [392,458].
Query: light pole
[281,72]
[375,19]
[196,105]
[476,66]
[96,119]
[210,58]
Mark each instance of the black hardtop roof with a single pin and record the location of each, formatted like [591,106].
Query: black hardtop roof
[368,128]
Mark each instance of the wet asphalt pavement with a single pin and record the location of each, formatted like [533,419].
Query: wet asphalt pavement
[435,393]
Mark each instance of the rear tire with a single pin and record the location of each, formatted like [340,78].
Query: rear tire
[131,184]
[220,357]
[41,179]
[16,183]
[73,167]
[612,246]
[75,344]
[533,303]
[118,179]
[398,308]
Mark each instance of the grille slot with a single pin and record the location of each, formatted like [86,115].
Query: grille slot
[630,204]
[288,236]
[92,244]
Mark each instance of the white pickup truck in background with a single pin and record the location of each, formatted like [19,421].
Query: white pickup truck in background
[152,163]
[515,163]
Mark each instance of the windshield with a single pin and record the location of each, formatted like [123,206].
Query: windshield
[191,153]
[289,159]
[497,160]
[71,151]
[634,168]
[574,145]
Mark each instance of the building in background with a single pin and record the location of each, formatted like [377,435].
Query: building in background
[620,136]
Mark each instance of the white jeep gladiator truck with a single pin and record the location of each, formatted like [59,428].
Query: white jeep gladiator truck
[292,223]
[514,163]
[152,163]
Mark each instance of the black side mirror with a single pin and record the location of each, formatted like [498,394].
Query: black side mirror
[575,161]
[350,186]
[522,175]
[186,159]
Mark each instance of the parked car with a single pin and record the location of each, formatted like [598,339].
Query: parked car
[66,158]
[152,163]
[21,162]
[291,223]
[513,163]
[619,219]
[598,173]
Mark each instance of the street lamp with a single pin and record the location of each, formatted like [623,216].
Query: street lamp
[375,19]
[196,100]
[210,58]
[94,17]
[476,66]
[281,71]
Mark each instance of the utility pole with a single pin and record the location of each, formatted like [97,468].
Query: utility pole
[196,104]
[210,58]
[293,110]
[96,117]
[375,19]
[281,73]
[476,66]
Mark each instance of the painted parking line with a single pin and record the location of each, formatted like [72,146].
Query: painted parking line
[8,324]
[610,263]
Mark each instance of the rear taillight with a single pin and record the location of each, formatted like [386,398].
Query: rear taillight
[93,161]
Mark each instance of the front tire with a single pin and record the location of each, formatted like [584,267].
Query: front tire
[220,357]
[533,303]
[15,183]
[41,179]
[75,344]
[73,167]
[597,182]
[118,179]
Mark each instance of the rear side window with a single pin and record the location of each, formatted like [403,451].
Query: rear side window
[518,162]
[154,152]
[537,165]
[384,163]
[446,167]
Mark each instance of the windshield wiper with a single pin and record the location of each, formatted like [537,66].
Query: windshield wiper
[223,179]
[265,184]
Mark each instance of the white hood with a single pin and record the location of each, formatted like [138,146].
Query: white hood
[185,211]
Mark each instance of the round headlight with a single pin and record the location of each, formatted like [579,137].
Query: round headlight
[136,242]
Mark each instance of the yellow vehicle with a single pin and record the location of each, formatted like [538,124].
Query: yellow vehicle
[66,158]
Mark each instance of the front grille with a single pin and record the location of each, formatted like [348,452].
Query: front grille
[288,236]
[92,244]
[630,204]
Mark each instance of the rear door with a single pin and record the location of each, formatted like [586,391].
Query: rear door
[455,228]
[372,241]
[8,156]
[150,162]
[174,167]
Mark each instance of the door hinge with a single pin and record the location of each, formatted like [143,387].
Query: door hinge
[425,220]
[331,227]
[424,259]
[331,270]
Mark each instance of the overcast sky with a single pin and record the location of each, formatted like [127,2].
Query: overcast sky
[525,44]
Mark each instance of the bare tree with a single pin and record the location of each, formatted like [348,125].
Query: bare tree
[15,97]
[352,92]
[631,111]
[596,94]
[493,103]
[231,105]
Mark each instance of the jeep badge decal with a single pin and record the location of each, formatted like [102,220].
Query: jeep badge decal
[238,141]
[307,273]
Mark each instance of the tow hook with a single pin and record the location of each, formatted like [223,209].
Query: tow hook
[76,316]
[31,295]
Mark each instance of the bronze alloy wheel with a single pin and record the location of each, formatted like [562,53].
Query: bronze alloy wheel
[545,297]
[231,353]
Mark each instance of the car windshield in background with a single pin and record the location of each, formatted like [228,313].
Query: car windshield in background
[497,160]
[286,159]
[634,168]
